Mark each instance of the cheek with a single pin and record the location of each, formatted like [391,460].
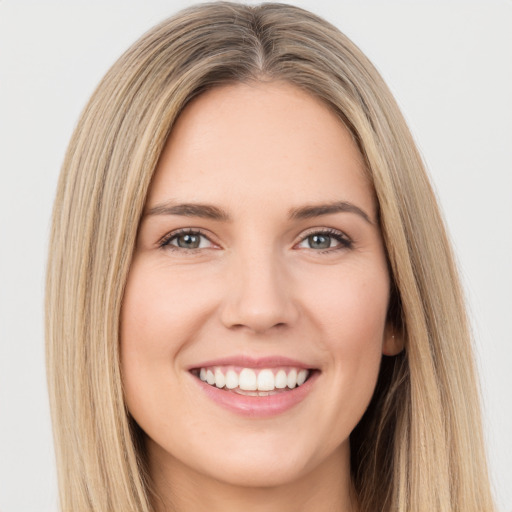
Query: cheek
[350,306]
[157,311]
[157,322]
[351,312]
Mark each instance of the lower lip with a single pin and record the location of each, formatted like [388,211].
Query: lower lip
[259,406]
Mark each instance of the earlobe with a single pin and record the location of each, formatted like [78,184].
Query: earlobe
[393,342]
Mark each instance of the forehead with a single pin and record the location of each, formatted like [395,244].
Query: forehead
[257,142]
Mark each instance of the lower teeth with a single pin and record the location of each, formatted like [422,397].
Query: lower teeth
[239,391]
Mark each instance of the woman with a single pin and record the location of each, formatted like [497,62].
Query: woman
[252,302]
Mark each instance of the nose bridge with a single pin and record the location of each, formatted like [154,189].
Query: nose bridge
[258,294]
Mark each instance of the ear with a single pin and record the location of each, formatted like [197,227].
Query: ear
[393,342]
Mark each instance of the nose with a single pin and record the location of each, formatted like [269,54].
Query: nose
[259,294]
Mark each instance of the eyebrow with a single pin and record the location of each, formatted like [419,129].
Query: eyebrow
[308,212]
[208,211]
[205,211]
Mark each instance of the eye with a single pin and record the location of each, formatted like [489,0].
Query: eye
[186,239]
[325,240]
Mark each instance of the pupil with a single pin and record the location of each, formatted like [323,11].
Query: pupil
[188,241]
[319,242]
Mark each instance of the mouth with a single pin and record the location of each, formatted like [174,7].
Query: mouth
[256,388]
[253,381]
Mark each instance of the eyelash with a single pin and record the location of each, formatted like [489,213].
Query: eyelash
[344,241]
[165,242]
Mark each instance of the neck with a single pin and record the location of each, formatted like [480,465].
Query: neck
[325,488]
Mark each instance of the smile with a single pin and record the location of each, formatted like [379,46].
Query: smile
[257,388]
[253,381]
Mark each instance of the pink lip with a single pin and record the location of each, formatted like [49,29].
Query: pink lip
[252,362]
[258,406]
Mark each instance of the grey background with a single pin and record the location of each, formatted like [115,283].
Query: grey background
[449,64]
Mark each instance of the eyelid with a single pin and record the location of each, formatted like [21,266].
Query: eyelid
[164,242]
[345,241]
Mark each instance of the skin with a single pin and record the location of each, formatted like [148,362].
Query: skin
[255,286]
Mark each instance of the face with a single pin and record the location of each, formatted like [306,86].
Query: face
[254,318]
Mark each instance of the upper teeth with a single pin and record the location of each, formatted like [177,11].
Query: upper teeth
[249,379]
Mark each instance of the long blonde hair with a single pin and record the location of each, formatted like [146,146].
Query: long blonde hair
[419,446]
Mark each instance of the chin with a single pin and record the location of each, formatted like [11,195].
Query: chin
[258,474]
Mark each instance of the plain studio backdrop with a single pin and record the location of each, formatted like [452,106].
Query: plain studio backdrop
[449,64]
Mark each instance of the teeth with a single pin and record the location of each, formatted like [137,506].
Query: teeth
[220,380]
[281,379]
[247,380]
[292,379]
[231,379]
[253,382]
[301,377]
[210,377]
[266,380]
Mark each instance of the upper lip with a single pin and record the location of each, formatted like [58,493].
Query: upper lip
[252,362]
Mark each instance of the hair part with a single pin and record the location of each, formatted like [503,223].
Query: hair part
[419,445]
